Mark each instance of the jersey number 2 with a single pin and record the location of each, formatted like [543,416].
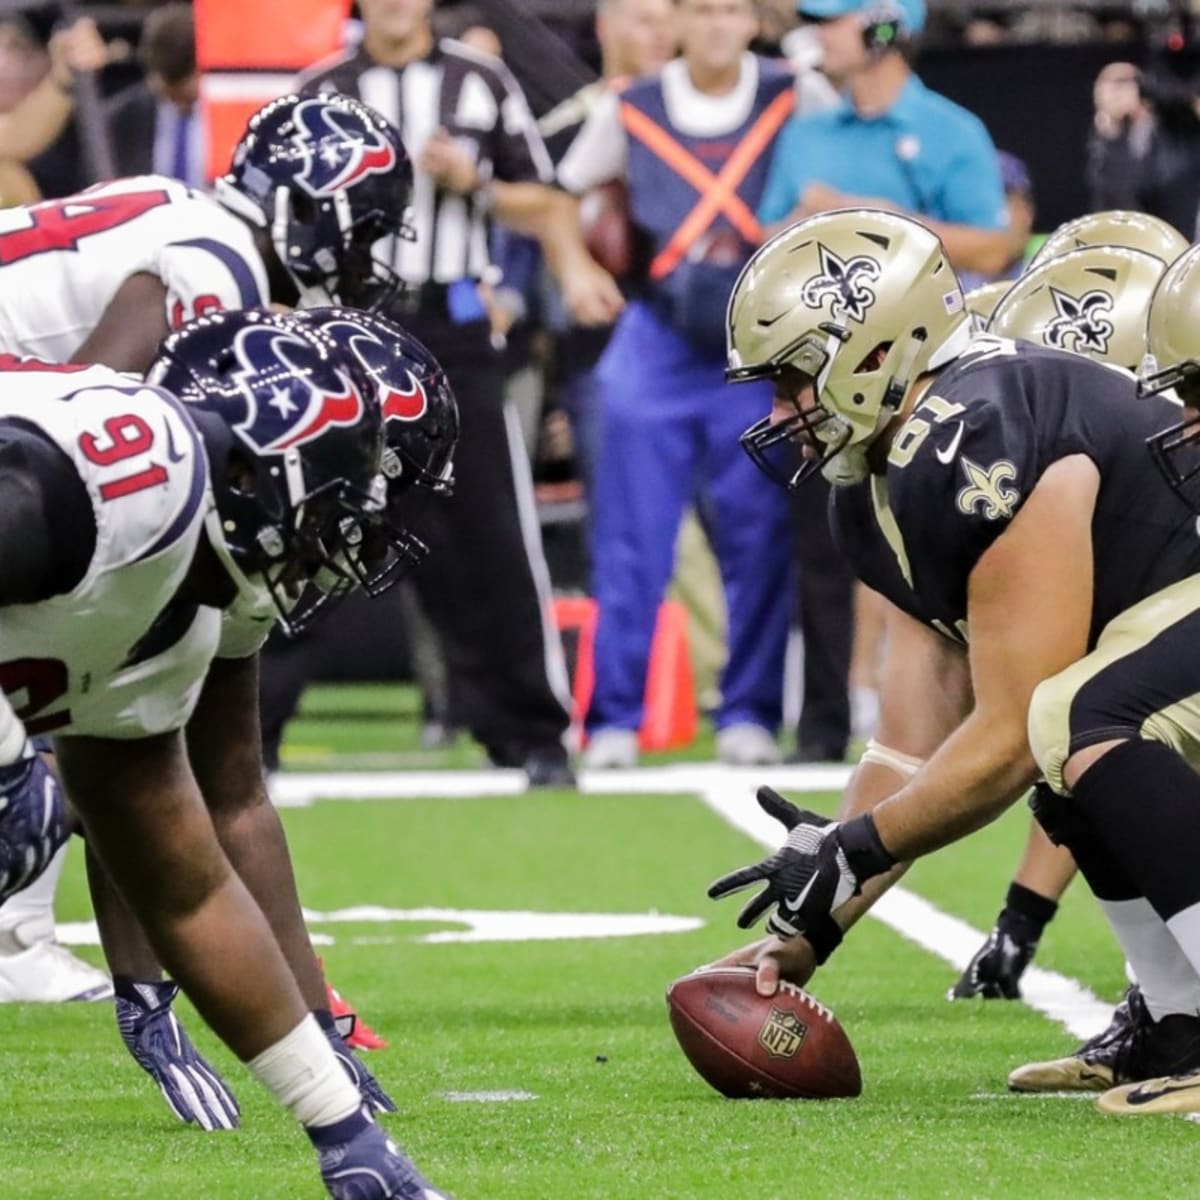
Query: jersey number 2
[59,224]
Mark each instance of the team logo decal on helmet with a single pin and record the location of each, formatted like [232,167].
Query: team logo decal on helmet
[303,404]
[1080,321]
[846,281]
[406,403]
[339,150]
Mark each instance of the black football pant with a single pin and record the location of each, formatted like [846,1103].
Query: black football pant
[485,586]
[825,615]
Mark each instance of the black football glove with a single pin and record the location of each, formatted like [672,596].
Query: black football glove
[816,870]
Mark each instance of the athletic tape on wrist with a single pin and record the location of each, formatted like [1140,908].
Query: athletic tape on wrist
[824,935]
[905,765]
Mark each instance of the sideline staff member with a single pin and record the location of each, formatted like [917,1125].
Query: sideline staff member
[477,152]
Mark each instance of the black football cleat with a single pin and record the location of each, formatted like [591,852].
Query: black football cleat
[1133,1048]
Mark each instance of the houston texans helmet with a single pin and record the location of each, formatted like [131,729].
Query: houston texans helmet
[420,422]
[295,447]
[328,178]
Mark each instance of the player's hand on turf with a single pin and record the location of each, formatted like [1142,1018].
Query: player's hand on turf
[153,1035]
[820,865]
[377,1100]
[774,960]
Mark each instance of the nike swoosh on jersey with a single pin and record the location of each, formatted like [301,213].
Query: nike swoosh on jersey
[173,454]
[946,456]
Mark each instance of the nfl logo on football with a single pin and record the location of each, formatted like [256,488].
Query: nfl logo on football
[782,1033]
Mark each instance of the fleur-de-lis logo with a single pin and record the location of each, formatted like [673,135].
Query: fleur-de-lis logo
[845,282]
[985,490]
[1081,325]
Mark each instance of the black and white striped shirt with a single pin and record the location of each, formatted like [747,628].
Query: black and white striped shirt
[477,100]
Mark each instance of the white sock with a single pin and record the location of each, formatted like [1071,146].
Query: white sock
[28,917]
[303,1074]
[12,733]
[1169,981]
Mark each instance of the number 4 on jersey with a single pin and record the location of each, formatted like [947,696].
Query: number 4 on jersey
[60,224]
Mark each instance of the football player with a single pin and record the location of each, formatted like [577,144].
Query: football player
[130,522]
[104,276]
[1090,301]
[1000,494]
[420,420]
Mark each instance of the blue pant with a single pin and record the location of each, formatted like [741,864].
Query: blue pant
[668,432]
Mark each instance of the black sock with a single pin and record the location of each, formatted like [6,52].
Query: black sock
[1143,800]
[1026,914]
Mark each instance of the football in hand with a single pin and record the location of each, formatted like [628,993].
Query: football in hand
[786,1046]
[607,232]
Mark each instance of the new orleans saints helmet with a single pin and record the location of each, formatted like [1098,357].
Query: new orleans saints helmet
[1173,363]
[857,303]
[981,301]
[1115,227]
[1090,301]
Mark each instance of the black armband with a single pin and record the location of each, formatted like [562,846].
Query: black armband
[824,935]
[865,852]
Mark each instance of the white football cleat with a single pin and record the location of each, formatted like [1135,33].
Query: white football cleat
[47,973]
[609,749]
[747,745]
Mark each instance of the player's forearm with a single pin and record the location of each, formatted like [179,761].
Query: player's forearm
[976,774]
[29,128]
[547,214]
[969,248]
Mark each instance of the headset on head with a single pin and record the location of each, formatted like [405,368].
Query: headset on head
[884,27]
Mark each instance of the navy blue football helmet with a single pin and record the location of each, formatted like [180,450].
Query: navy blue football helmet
[420,424]
[295,447]
[330,181]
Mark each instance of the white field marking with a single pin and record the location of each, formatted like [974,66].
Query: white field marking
[729,791]
[485,1097]
[481,925]
[1056,996]
[1093,1096]
[296,789]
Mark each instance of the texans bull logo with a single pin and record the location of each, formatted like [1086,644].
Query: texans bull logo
[307,394]
[338,148]
[401,394]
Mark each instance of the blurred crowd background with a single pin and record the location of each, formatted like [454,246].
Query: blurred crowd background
[1086,106]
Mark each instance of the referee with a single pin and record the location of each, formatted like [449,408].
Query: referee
[477,153]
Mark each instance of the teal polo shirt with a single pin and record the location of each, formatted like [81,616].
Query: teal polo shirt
[926,154]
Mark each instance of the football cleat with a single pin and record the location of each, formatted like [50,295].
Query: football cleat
[367,1165]
[1134,1047]
[47,973]
[611,749]
[995,971]
[1168,1094]
[747,745]
[356,1033]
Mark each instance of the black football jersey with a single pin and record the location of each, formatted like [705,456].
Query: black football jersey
[972,451]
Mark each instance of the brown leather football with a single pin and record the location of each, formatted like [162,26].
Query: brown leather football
[786,1046]
[607,231]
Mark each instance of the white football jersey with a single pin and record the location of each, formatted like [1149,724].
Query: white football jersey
[114,657]
[61,262]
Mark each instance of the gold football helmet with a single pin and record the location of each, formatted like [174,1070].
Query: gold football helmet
[857,302]
[1091,301]
[1138,231]
[1173,363]
[982,300]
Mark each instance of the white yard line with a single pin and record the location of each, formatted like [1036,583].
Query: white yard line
[729,792]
